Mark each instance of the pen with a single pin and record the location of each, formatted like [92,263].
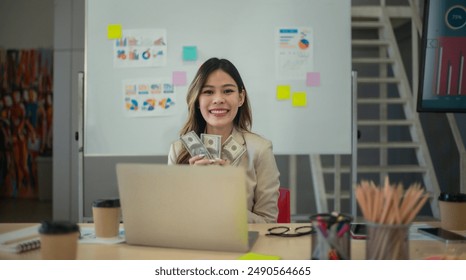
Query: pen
[343,229]
[322,226]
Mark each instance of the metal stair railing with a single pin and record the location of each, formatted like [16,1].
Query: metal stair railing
[378,19]
[417,134]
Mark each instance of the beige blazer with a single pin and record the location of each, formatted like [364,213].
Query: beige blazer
[262,175]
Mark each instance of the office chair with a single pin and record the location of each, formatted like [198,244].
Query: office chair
[284,215]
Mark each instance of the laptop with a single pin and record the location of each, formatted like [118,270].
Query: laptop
[188,207]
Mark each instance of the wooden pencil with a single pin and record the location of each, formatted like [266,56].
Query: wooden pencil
[391,210]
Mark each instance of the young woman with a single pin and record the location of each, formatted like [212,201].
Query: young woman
[218,104]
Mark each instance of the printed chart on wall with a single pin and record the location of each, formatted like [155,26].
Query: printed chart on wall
[141,48]
[294,52]
[149,97]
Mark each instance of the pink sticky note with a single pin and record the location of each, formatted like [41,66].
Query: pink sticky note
[313,79]
[179,78]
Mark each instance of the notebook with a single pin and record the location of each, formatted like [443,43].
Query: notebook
[188,207]
[20,240]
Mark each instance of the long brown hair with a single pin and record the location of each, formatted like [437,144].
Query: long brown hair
[195,121]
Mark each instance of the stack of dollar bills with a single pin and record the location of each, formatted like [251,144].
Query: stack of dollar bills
[210,145]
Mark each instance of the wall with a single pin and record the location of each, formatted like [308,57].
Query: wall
[69,60]
[26,24]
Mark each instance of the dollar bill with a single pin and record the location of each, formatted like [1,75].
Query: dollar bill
[233,151]
[213,143]
[194,145]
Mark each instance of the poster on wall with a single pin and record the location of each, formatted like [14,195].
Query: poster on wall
[442,86]
[294,52]
[141,48]
[149,97]
[26,115]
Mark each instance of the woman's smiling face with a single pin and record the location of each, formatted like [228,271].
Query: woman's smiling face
[219,100]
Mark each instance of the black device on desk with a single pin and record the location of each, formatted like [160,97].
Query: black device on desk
[443,235]
[358,231]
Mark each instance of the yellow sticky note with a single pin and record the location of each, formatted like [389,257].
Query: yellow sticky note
[114,31]
[299,99]
[255,256]
[283,92]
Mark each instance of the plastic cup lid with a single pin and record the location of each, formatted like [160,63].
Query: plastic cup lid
[58,227]
[452,197]
[107,203]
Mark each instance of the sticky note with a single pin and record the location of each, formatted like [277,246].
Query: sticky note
[313,79]
[255,256]
[283,92]
[189,53]
[114,31]
[299,99]
[179,78]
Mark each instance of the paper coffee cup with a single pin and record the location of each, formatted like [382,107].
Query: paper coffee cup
[59,240]
[452,211]
[106,214]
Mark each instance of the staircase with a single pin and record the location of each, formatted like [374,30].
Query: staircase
[392,141]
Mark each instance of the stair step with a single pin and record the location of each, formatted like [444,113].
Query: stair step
[385,122]
[346,195]
[367,24]
[390,145]
[378,80]
[343,195]
[368,43]
[331,170]
[393,169]
[382,100]
[373,60]
[378,169]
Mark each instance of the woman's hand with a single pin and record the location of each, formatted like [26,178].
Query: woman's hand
[199,160]
[202,160]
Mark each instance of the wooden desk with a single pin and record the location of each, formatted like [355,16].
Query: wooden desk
[286,248]
[295,248]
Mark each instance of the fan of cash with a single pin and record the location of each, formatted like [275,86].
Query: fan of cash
[210,145]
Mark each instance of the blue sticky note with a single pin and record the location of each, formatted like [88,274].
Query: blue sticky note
[189,53]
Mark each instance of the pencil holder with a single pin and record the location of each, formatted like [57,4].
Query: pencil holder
[387,242]
[332,238]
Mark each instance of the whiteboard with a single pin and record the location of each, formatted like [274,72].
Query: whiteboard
[243,31]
